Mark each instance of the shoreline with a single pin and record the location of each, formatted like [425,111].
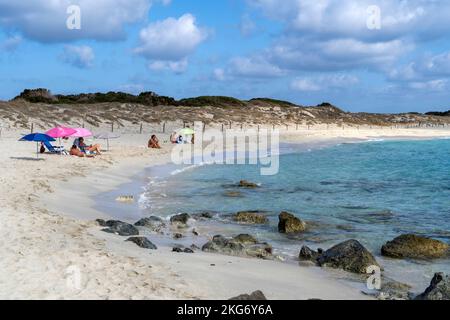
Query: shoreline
[79,240]
[136,187]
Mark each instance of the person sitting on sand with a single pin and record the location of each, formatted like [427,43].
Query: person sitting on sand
[173,137]
[180,140]
[74,151]
[88,149]
[153,143]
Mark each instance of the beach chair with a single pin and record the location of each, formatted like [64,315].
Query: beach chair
[53,149]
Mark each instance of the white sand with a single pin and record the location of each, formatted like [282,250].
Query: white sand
[46,233]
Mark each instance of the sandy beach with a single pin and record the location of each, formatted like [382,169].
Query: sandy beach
[48,230]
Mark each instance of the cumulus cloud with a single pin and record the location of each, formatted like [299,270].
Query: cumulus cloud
[254,67]
[175,66]
[330,35]
[78,56]
[348,18]
[318,83]
[45,20]
[168,43]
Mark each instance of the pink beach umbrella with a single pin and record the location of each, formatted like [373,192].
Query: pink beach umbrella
[81,133]
[60,132]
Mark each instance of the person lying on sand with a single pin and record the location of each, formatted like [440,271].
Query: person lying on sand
[153,143]
[88,149]
[74,151]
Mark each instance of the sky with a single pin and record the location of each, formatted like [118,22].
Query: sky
[386,56]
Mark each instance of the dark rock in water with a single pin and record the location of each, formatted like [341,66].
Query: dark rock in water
[194,247]
[233,194]
[250,217]
[259,250]
[182,219]
[182,250]
[120,228]
[288,223]
[195,233]
[238,246]
[143,242]
[223,245]
[177,236]
[416,247]
[439,288]
[153,223]
[255,296]
[245,239]
[248,184]
[307,254]
[203,215]
[349,255]
[101,222]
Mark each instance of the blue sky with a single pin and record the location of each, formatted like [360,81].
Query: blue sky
[393,57]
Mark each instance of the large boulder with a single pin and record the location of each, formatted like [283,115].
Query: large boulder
[247,184]
[439,288]
[153,223]
[242,245]
[250,217]
[415,247]
[180,219]
[119,227]
[254,296]
[288,223]
[349,255]
[143,242]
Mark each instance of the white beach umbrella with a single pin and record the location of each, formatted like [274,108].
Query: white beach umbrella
[106,136]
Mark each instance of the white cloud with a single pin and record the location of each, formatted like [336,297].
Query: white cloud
[78,56]
[432,85]
[348,18]
[175,66]
[219,74]
[11,44]
[427,68]
[45,20]
[254,67]
[168,43]
[324,82]
[305,85]
[329,35]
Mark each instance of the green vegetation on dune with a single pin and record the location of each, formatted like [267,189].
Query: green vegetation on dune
[273,101]
[212,101]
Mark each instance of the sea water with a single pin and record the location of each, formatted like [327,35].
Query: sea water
[371,191]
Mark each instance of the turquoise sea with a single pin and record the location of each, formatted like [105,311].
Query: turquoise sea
[369,191]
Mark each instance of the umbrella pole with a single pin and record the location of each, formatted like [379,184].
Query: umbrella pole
[37,150]
[107,144]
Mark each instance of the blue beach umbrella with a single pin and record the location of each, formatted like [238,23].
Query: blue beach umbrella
[37,137]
